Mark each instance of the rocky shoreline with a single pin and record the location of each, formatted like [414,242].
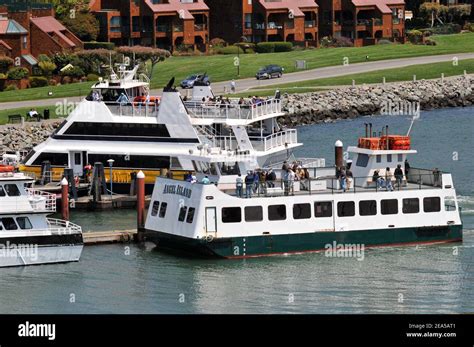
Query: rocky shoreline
[389,99]
[312,108]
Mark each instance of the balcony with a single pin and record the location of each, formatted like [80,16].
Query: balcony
[377,22]
[279,139]
[289,25]
[200,27]
[310,24]
[163,28]
[178,28]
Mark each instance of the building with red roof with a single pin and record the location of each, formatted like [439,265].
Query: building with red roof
[363,21]
[264,20]
[167,24]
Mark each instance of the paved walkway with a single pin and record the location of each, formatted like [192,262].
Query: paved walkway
[248,83]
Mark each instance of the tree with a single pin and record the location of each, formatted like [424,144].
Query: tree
[69,8]
[5,63]
[432,11]
[456,12]
[83,25]
[145,54]
[47,67]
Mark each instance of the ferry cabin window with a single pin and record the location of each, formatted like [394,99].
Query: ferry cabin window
[190,216]
[432,204]
[155,207]
[411,205]
[9,223]
[229,168]
[367,208]
[231,215]
[12,190]
[449,203]
[323,209]
[56,159]
[379,158]
[132,161]
[253,213]
[163,207]
[2,191]
[346,209]
[362,160]
[117,129]
[400,158]
[182,213]
[29,156]
[77,159]
[389,158]
[301,211]
[24,223]
[389,206]
[277,212]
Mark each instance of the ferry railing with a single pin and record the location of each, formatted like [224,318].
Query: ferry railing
[135,109]
[324,185]
[277,139]
[62,227]
[41,201]
[233,110]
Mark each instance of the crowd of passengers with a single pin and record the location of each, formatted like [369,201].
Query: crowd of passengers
[220,101]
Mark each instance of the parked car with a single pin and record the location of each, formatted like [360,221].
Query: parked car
[189,81]
[269,71]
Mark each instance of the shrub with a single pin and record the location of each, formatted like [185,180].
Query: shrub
[36,82]
[11,87]
[430,42]
[97,45]
[230,50]
[334,42]
[52,82]
[17,73]
[446,29]
[283,46]
[43,57]
[271,47]
[3,76]
[92,77]
[91,60]
[5,64]
[384,42]
[66,80]
[246,46]
[217,42]
[415,36]
[75,72]
[47,67]
[469,27]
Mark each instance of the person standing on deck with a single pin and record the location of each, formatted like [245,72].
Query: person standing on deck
[349,178]
[232,86]
[205,180]
[398,175]
[388,179]
[248,184]
[239,185]
[342,179]
[271,177]
[407,168]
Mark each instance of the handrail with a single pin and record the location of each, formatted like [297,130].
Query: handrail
[61,227]
[41,201]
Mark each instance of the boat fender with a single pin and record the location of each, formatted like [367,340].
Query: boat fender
[209,238]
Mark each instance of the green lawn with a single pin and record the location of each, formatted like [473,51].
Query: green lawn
[221,67]
[22,111]
[425,71]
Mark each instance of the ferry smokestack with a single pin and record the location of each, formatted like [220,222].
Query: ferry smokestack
[370,129]
[366,130]
[65,199]
[339,155]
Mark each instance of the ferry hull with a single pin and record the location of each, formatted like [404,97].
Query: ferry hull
[266,245]
[40,250]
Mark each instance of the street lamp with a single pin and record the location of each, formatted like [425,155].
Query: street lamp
[111,163]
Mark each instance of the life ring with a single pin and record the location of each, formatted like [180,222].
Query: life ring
[7,168]
[142,100]
[209,238]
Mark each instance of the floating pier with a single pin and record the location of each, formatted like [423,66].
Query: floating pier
[115,236]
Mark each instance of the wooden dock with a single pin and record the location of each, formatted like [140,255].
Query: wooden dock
[117,202]
[115,236]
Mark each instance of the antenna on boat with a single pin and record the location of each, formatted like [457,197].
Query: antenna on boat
[416,115]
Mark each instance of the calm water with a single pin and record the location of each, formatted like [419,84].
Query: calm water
[139,279]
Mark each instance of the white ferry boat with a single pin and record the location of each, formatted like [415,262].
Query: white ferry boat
[27,236]
[290,215]
[120,120]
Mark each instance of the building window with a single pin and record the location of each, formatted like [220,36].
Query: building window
[362,160]
[323,209]
[389,206]
[432,204]
[346,209]
[163,207]
[182,213]
[277,212]
[24,223]
[231,215]
[367,208]
[253,213]
[12,190]
[155,208]
[411,205]
[190,216]
[24,42]
[301,211]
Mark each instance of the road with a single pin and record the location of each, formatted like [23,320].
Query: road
[248,83]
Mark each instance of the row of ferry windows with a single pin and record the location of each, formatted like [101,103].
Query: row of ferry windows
[185,213]
[324,209]
[8,223]
[9,190]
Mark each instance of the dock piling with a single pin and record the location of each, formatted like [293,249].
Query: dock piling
[69,175]
[140,205]
[65,199]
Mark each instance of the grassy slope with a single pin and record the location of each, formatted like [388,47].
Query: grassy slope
[221,67]
[22,111]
